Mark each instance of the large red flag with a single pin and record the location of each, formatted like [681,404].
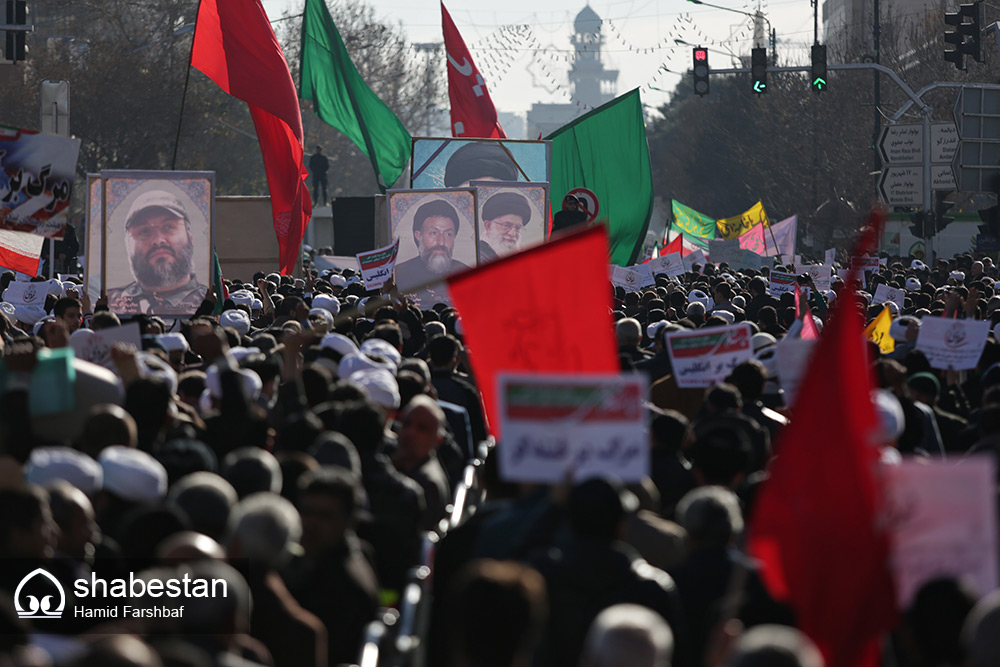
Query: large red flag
[472,110]
[544,310]
[235,46]
[818,525]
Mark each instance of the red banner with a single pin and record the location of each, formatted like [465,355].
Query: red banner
[472,110]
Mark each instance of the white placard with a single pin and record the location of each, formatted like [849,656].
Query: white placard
[376,265]
[97,348]
[943,523]
[632,278]
[696,257]
[793,359]
[820,274]
[28,294]
[588,424]
[955,344]
[671,264]
[781,282]
[705,357]
[884,293]
[830,256]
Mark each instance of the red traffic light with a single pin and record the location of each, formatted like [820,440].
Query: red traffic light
[701,54]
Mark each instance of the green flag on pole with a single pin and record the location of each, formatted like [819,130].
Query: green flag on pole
[691,221]
[605,151]
[341,98]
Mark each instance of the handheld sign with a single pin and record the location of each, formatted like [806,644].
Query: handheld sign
[781,282]
[377,265]
[884,293]
[28,294]
[670,264]
[954,344]
[705,357]
[632,278]
[587,424]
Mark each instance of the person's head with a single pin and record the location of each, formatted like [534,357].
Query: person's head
[252,470]
[598,508]
[628,331]
[500,609]
[435,226]
[207,500]
[262,529]
[107,425]
[69,311]
[935,619]
[711,515]
[504,216]
[479,161]
[327,500]
[628,635]
[570,203]
[774,646]
[444,351]
[26,526]
[423,428]
[158,240]
[319,149]
[73,513]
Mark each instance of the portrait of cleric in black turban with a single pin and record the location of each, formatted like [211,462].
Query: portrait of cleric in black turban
[453,163]
[512,217]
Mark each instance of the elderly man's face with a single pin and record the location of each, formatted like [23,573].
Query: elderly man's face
[503,233]
[160,249]
[436,243]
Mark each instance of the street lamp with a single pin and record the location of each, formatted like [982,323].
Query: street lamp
[756,15]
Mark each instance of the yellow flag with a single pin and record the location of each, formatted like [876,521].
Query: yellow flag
[878,331]
[733,228]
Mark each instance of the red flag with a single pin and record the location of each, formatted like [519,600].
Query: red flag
[817,526]
[803,311]
[20,251]
[544,310]
[235,46]
[677,245]
[472,110]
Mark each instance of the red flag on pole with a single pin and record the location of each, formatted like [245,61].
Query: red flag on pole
[677,245]
[472,110]
[817,527]
[235,46]
[544,310]
[802,310]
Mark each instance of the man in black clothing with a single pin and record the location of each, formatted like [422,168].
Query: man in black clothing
[453,386]
[571,215]
[318,166]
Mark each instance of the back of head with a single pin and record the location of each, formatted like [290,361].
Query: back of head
[774,646]
[981,633]
[252,470]
[629,332]
[627,635]
[936,616]
[207,500]
[500,610]
[597,509]
[711,515]
[265,525]
[107,425]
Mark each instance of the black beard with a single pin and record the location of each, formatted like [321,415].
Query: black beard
[156,274]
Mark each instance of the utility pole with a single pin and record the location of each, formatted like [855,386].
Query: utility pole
[877,82]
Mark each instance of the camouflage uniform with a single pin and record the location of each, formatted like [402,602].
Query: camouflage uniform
[133,299]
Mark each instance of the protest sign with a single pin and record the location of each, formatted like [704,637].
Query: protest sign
[96,348]
[28,294]
[884,293]
[696,257]
[36,180]
[867,264]
[632,278]
[747,259]
[723,251]
[792,359]
[943,524]
[590,424]
[954,344]
[830,256]
[671,265]
[781,282]
[705,357]
[820,274]
[376,265]
[334,262]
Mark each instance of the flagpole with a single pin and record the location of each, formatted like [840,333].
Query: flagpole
[180,117]
[776,247]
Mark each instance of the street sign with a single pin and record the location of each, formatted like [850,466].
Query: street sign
[977,115]
[902,144]
[944,142]
[942,177]
[902,185]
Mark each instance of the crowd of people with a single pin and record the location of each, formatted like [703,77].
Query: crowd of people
[300,440]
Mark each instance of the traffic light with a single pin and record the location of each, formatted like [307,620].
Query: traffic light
[758,69]
[965,37]
[941,208]
[700,70]
[920,224]
[991,221]
[16,14]
[818,77]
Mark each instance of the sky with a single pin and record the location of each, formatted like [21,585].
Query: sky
[530,65]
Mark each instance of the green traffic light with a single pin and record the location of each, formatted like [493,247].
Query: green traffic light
[759,86]
[819,83]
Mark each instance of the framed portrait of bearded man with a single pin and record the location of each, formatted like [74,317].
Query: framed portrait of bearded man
[157,240]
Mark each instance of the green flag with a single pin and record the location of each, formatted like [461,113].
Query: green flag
[691,221]
[341,98]
[605,151]
[218,285]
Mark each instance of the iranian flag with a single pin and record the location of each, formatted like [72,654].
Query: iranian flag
[20,251]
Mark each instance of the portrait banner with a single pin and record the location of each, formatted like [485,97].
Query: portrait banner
[512,217]
[36,180]
[437,236]
[587,424]
[157,240]
[952,344]
[454,163]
